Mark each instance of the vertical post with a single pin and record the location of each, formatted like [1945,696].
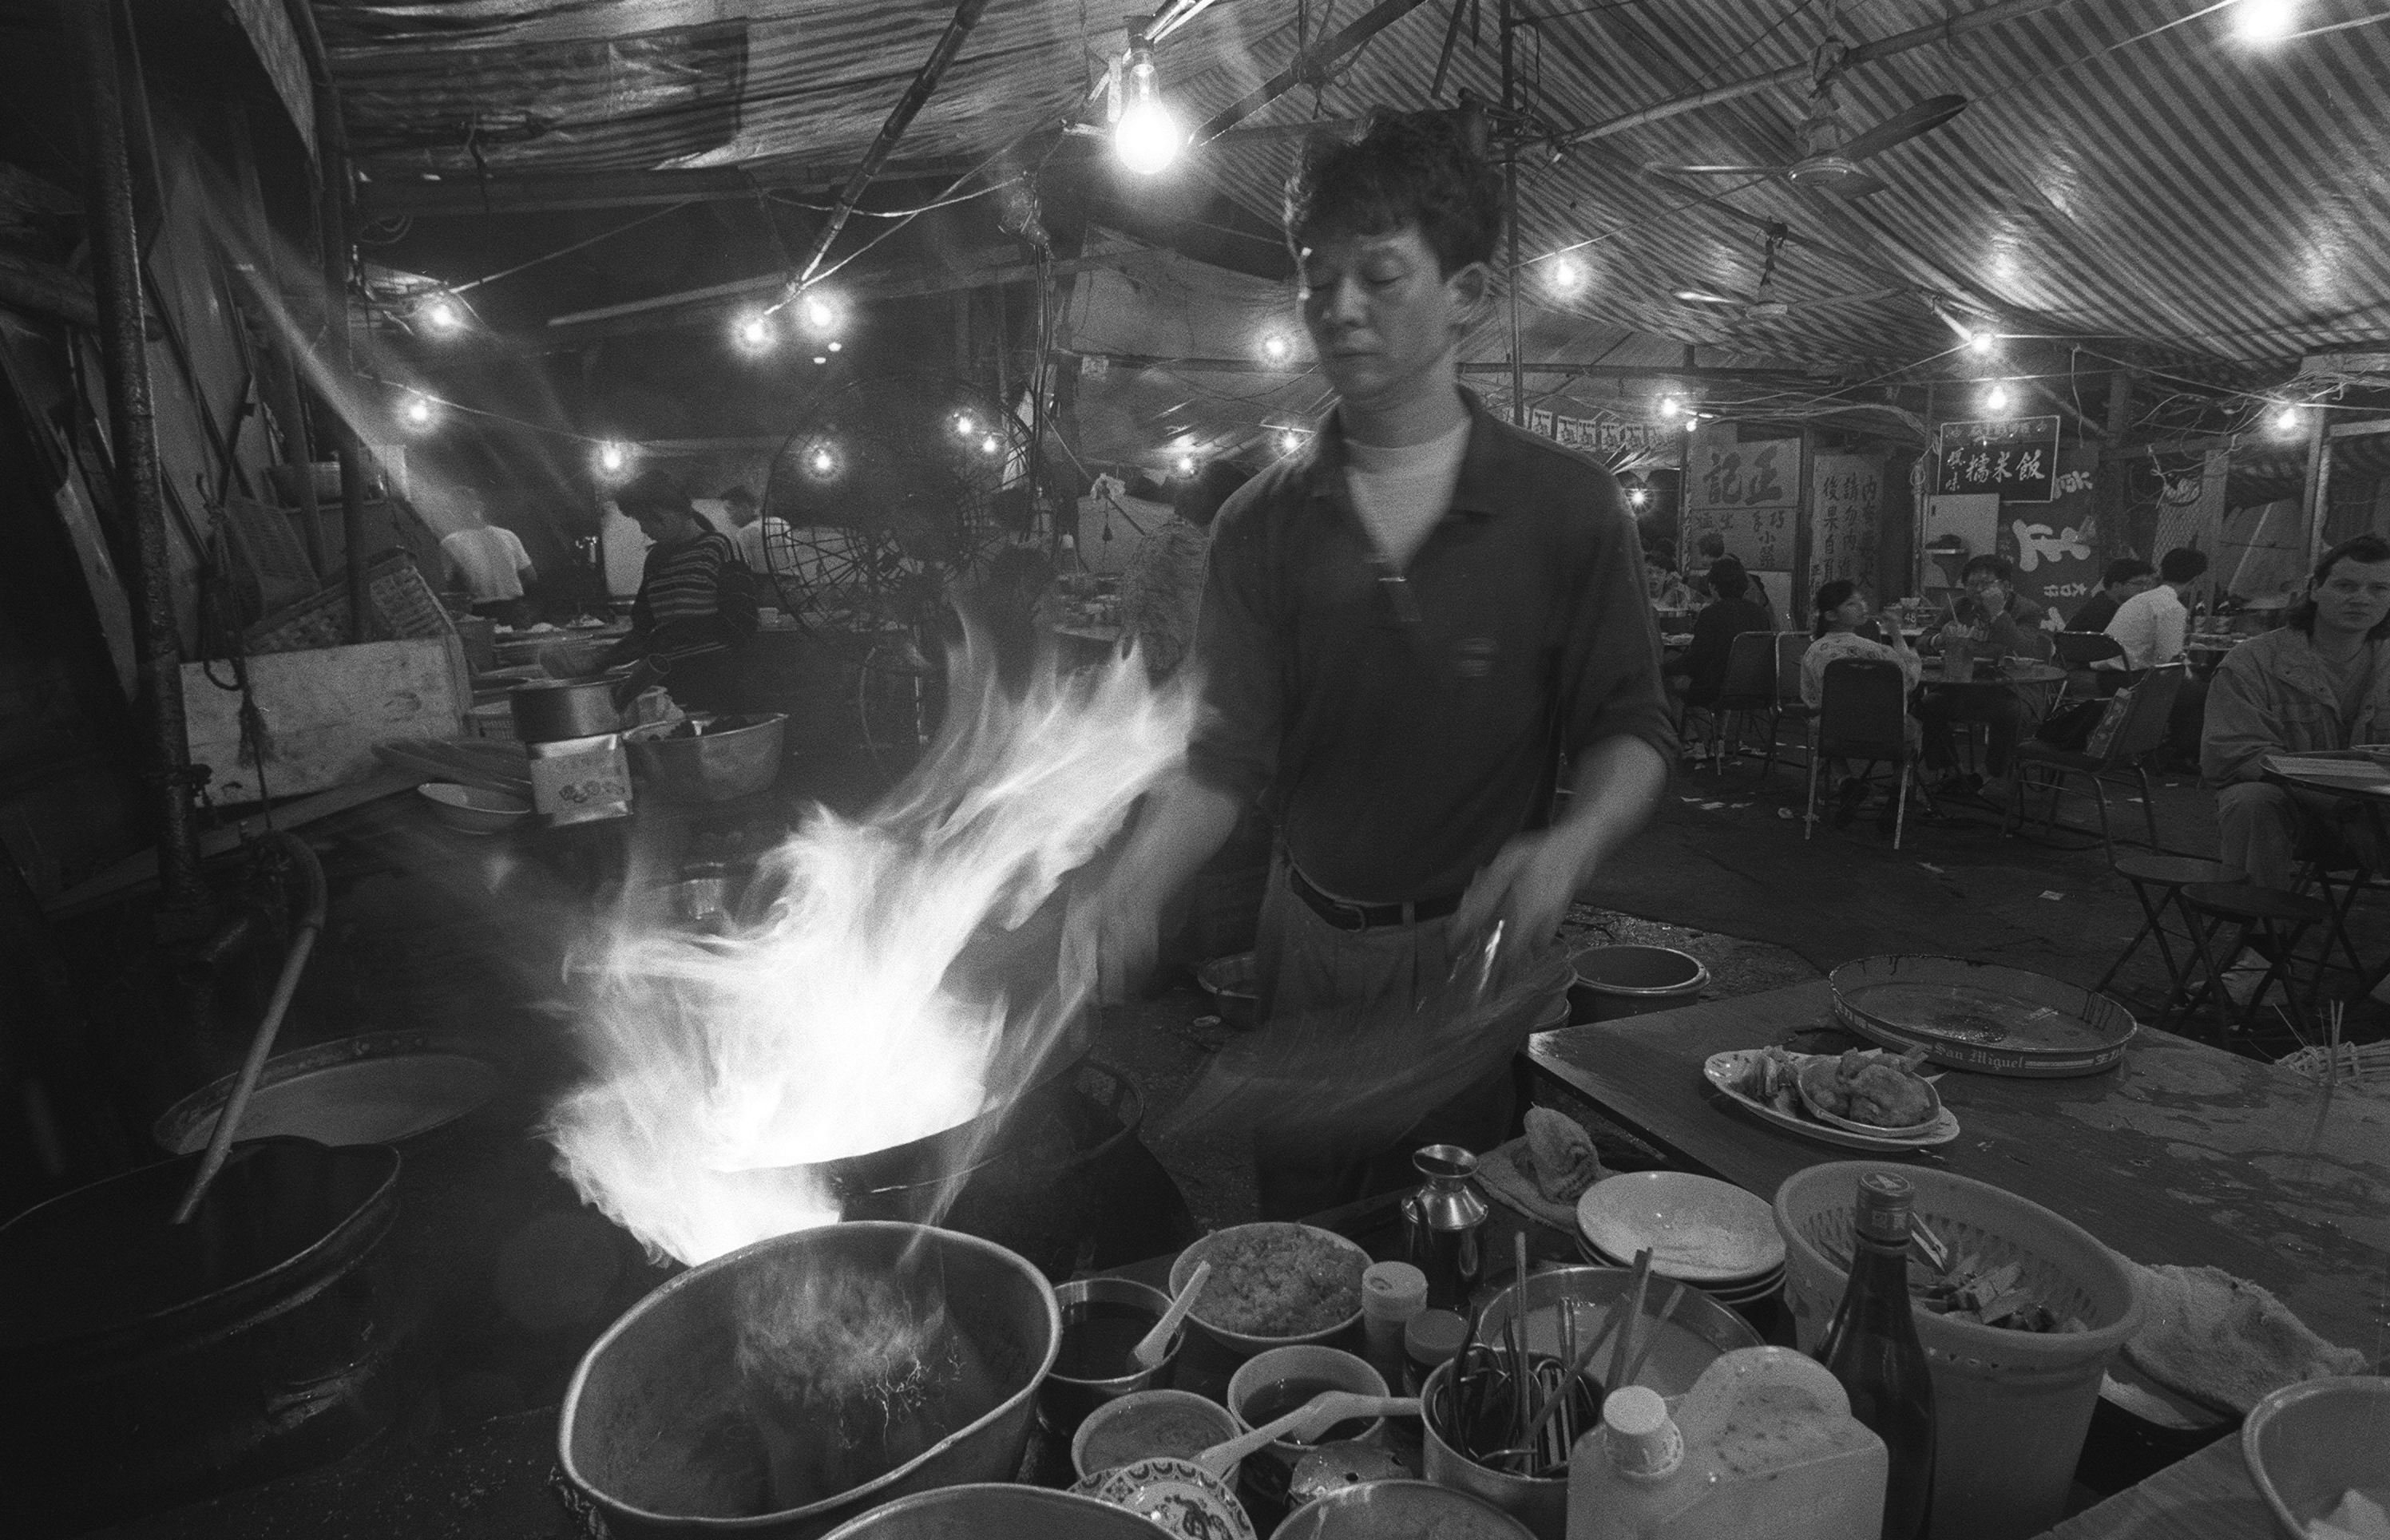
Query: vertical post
[2316,498]
[116,260]
[1510,199]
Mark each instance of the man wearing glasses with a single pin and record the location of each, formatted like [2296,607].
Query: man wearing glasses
[1407,628]
[2003,624]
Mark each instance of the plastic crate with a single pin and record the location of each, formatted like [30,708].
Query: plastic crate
[404,605]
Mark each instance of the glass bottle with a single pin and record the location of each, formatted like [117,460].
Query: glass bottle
[1872,1347]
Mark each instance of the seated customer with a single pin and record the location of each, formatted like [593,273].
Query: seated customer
[2152,627]
[1716,628]
[1841,612]
[2124,577]
[2002,622]
[2321,681]
[1661,583]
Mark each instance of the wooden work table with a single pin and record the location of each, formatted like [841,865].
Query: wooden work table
[2182,1154]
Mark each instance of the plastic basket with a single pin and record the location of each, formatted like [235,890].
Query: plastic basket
[2012,1407]
[404,605]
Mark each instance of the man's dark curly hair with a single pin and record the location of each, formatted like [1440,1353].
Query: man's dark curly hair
[2365,548]
[1407,168]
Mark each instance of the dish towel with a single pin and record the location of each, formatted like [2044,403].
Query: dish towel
[2225,1340]
[1544,1171]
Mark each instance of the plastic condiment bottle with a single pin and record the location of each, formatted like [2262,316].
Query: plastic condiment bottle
[1392,1294]
[1432,1337]
[1763,1445]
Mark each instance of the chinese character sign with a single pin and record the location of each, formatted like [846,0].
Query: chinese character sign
[2014,458]
[1762,475]
[2053,548]
[1606,438]
[1845,501]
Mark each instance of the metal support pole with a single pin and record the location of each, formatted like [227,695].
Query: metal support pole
[1510,197]
[141,495]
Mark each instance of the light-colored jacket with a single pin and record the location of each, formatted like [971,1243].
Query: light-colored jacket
[2273,696]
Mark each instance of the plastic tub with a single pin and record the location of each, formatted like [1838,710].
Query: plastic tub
[1612,981]
[2012,1407]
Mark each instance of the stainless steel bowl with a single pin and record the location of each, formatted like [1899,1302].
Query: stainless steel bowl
[1401,1510]
[668,1432]
[712,766]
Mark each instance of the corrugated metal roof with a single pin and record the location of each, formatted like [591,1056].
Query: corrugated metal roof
[2113,178]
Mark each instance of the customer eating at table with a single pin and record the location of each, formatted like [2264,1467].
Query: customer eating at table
[2152,627]
[1729,615]
[2120,580]
[1841,611]
[2001,622]
[1407,628]
[2320,682]
[1663,585]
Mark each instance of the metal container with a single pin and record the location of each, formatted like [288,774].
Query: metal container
[710,766]
[548,710]
[997,1511]
[1615,981]
[1063,1402]
[1374,1509]
[1444,1224]
[158,1363]
[381,1087]
[667,1433]
[1539,1502]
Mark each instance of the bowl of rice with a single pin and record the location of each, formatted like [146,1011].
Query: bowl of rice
[1274,1284]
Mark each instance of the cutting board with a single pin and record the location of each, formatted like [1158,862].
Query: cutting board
[325,709]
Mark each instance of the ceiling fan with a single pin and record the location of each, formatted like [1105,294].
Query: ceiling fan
[1829,161]
[1761,304]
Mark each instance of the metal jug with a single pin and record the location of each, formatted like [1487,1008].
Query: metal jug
[1444,1224]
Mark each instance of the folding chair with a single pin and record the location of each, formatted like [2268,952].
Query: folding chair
[1790,647]
[2143,728]
[1863,715]
[1752,688]
[2078,650]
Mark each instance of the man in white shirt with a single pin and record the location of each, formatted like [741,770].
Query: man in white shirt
[489,562]
[755,536]
[2153,627]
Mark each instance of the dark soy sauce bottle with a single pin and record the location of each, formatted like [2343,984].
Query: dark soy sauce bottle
[1872,1347]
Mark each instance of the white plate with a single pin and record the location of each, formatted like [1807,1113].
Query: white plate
[1700,1230]
[1726,1071]
[1734,1291]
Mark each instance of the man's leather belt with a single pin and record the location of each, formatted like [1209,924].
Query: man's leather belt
[1364,916]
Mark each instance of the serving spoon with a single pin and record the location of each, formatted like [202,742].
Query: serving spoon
[1305,1423]
[1153,1344]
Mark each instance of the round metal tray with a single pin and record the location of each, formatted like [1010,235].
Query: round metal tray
[1982,1016]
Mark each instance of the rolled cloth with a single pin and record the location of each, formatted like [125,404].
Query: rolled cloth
[1544,1171]
[2225,1340]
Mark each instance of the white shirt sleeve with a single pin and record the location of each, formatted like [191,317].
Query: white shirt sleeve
[2135,631]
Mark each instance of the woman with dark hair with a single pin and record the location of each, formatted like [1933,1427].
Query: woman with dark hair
[1714,629]
[2319,684]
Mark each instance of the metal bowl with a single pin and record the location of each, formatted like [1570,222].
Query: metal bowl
[2308,1443]
[1063,1402]
[381,1087]
[997,1511]
[473,809]
[1133,1418]
[1702,1330]
[1401,1510]
[1241,1343]
[712,766]
[669,1432]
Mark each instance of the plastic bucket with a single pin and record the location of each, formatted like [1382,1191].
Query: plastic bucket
[2010,1407]
[1612,981]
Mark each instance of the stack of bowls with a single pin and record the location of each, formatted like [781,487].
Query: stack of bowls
[1707,1233]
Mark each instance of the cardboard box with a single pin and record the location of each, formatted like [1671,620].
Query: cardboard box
[324,709]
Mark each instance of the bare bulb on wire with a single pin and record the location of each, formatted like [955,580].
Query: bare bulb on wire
[1186,465]
[2290,419]
[990,445]
[613,457]
[1275,347]
[1671,407]
[2264,20]
[754,332]
[1996,399]
[1982,341]
[1148,136]
[1289,440]
[418,412]
[444,314]
[1566,274]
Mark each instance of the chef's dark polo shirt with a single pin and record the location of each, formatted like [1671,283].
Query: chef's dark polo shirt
[1398,755]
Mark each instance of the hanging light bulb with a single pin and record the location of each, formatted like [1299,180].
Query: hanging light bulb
[1995,399]
[613,457]
[417,411]
[990,445]
[1670,406]
[835,346]
[2290,419]
[1147,137]
[1566,275]
[965,425]
[2264,21]
[1277,348]
[1982,341]
[821,462]
[818,313]
[1289,440]
[442,314]
[754,332]
[1637,496]
[821,358]
[1186,465]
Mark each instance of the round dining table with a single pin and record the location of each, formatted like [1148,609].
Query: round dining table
[1987,676]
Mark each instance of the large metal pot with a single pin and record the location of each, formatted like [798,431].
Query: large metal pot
[671,1430]
[709,765]
[155,1363]
[550,711]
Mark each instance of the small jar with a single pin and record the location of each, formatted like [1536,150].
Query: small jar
[1433,1337]
[1392,1294]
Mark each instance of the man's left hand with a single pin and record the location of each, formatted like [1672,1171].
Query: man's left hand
[1527,887]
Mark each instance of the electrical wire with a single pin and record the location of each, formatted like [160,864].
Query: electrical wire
[568,251]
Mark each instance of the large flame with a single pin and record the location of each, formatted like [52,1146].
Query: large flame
[838,1022]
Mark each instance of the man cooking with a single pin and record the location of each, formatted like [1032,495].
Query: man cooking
[2321,681]
[695,612]
[1405,629]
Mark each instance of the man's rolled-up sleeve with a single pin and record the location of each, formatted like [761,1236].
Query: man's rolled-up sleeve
[1610,651]
[1238,649]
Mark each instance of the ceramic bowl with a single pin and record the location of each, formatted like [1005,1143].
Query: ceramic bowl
[1179,1496]
[1244,1344]
[2309,1443]
[1148,1423]
[1064,1400]
[1271,1468]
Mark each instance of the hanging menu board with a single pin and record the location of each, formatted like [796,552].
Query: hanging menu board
[1845,504]
[1750,494]
[2013,458]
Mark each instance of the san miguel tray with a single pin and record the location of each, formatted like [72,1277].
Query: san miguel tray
[1981,1016]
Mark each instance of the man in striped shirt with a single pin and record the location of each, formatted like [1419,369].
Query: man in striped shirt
[694,591]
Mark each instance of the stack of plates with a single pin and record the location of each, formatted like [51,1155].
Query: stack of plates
[1710,1234]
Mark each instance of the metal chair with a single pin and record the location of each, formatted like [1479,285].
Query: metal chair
[2143,729]
[1750,689]
[1863,715]
[1790,647]
[2158,881]
[2276,921]
[2078,650]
